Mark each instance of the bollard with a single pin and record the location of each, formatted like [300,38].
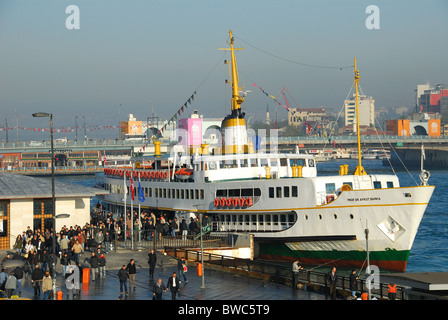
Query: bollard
[85,275]
[199,269]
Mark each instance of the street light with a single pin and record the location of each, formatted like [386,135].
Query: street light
[50,115]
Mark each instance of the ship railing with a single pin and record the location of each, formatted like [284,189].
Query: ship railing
[308,279]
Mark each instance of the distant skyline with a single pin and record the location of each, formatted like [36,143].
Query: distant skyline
[138,56]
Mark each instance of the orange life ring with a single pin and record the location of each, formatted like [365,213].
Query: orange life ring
[228,202]
[166,174]
[241,202]
[157,174]
[249,202]
[153,174]
[217,202]
[235,202]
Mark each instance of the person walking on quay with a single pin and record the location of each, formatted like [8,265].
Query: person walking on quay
[36,279]
[173,285]
[295,273]
[94,264]
[11,284]
[18,273]
[132,271]
[65,261]
[332,278]
[102,265]
[182,268]
[123,276]
[3,279]
[152,260]
[353,283]
[47,286]
[64,244]
[77,250]
[158,290]
[18,245]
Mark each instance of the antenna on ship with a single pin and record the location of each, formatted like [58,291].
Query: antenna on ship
[234,126]
[359,171]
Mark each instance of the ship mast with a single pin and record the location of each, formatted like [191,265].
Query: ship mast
[359,169]
[234,126]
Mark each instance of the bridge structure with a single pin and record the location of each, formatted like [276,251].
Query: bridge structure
[78,157]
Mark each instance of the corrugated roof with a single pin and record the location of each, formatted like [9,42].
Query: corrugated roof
[16,186]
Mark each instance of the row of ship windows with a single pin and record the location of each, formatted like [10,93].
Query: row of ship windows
[193,194]
[255,162]
[284,192]
[266,218]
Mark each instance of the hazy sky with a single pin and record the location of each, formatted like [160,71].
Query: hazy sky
[146,55]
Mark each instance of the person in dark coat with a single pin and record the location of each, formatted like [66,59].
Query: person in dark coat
[132,270]
[152,260]
[36,278]
[332,279]
[123,278]
[174,285]
[158,289]
[19,273]
[94,264]
[353,283]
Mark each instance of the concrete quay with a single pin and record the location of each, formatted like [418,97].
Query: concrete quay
[218,285]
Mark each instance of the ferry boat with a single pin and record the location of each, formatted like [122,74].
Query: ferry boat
[291,211]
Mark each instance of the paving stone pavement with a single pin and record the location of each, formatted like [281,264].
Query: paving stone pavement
[218,285]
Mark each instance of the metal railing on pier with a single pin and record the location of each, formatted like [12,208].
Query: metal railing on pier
[147,240]
[282,273]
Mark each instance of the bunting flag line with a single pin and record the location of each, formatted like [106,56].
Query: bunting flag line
[174,117]
[72,129]
[293,112]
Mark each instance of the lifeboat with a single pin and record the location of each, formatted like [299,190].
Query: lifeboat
[183,173]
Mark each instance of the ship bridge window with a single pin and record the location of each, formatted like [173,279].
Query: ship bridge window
[283,162]
[273,163]
[278,192]
[253,162]
[271,192]
[377,184]
[294,191]
[330,188]
[297,162]
[311,163]
[263,162]
[390,184]
[226,164]
[243,163]
[286,191]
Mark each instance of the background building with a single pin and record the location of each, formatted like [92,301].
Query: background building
[27,201]
[297,116]
[366,111]
[432,98]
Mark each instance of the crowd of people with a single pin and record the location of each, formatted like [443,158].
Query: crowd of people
[98,236]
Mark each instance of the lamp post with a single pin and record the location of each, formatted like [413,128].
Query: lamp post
[53,198]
